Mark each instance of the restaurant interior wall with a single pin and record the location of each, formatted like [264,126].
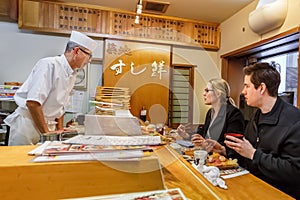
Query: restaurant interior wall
[236,34]
[206,68]
[22,49]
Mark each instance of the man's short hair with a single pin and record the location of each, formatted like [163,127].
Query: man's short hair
[71,45]
[266,73]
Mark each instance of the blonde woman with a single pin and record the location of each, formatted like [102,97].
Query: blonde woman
[223,117]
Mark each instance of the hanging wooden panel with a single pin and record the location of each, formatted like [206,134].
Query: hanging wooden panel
[109,23]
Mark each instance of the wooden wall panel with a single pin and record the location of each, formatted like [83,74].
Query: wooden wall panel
[111,23]
[236,78]
[9,10]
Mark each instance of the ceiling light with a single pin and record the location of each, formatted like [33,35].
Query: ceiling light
[139,9]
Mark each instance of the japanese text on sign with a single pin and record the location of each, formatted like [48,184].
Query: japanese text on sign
[157,68]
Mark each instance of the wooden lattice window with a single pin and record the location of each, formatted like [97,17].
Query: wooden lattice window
[181,95]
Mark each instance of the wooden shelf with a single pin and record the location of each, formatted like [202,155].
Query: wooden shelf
[102,22]
[9,10]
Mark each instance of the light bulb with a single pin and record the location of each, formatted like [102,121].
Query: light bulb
[139,9]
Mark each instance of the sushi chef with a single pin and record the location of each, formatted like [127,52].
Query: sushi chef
[44,95]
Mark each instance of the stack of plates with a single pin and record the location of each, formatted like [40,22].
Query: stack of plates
[109,99]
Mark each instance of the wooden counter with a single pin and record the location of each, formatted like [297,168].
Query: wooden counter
[178,173]
[22,179]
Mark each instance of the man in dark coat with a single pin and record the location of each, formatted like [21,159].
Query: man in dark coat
[271,146]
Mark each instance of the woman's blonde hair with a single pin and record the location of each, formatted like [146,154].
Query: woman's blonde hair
[222,90]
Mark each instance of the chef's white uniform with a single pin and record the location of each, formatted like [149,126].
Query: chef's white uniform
[50,83]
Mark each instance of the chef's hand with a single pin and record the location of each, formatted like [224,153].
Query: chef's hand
[64,130]
[243,147]
[68,129]
[53,132]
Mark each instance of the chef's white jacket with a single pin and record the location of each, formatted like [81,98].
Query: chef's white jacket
[50,83]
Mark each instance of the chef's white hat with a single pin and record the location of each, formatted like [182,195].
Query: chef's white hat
[83,40]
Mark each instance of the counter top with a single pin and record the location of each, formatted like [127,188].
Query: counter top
[23,179]
[58,180]
[180,173]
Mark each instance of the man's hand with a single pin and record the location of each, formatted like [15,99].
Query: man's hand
[243,147]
